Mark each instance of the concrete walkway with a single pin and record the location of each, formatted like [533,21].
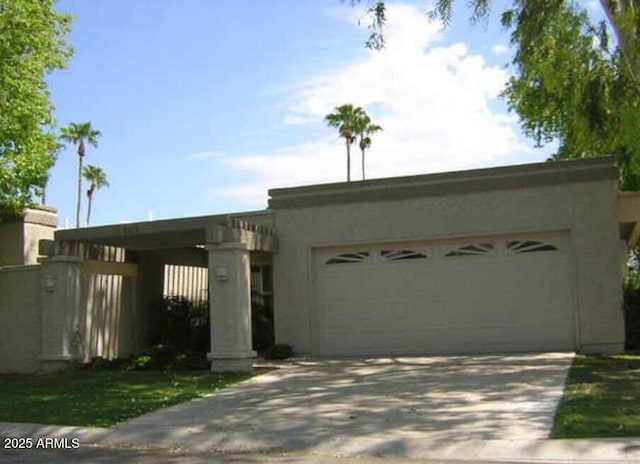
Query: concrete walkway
[456,407]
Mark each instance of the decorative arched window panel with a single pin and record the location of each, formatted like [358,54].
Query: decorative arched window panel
[349,258]
[401,255]
[529,246]
[479,249]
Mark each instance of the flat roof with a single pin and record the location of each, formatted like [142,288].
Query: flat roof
[191,231]
[448,183]
[147,235]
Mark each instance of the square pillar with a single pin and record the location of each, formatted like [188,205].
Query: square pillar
[230,308]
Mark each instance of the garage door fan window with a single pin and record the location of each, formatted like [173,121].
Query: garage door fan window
[349,258]
[472,250]
[529,246]
[400,255]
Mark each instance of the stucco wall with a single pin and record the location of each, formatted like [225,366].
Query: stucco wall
[588,211]
[88,310]
[19,238]
[20,319]
[39,224]
[12,240]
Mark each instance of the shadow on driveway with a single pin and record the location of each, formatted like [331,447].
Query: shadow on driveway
[385,406]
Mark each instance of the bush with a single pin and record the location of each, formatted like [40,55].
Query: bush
[178,322]
[280,351]
[632,311]
[262,333]
[156,358]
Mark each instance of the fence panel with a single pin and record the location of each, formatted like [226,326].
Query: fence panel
[109,296]
[190,282]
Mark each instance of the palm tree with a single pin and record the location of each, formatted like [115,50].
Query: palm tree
[344,119]
[364,129]
[97,179]
[79,133]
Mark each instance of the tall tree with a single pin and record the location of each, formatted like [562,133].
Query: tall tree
[623,15]
[569,84]
[364,128]
[575,89]
[97,179]
[344,119]
[78,134]
[32,44]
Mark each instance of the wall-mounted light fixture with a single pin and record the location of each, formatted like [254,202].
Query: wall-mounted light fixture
[222,273]
[49,283]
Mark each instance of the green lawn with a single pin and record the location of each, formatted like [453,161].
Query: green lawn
[100,398]
[601,399]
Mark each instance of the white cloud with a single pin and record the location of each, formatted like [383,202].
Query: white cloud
[499,49]
[295,119]
[433,102]
[210,154]
[320,161]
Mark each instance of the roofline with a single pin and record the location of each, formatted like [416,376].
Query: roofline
[448,183]
[141,227]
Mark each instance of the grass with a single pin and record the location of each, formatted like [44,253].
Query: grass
[601,399]
[101,398]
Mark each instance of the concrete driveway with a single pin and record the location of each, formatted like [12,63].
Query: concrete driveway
[380,406]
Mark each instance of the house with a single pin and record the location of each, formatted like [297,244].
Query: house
[507,259]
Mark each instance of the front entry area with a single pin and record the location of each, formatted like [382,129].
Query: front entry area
[478,294]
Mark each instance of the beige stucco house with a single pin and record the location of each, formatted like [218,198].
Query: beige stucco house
[517,258]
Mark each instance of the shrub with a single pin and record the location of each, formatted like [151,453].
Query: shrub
[178,322]
[280,351]
[632,311]
[155,358]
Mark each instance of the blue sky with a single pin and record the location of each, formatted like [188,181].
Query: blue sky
[204,105]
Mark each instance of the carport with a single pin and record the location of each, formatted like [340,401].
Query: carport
[225,244]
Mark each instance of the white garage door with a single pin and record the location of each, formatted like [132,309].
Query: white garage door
[476,295]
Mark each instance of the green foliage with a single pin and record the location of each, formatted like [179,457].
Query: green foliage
[632,311]
[32,44]
[262,330]
[179,323]
[97,179]
[569,85]
[155,358]
[101,398]
[377,12]
[344,119]
[79,134]
[571,88]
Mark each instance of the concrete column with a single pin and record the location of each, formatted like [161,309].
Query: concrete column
[230,308]
[62,331]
